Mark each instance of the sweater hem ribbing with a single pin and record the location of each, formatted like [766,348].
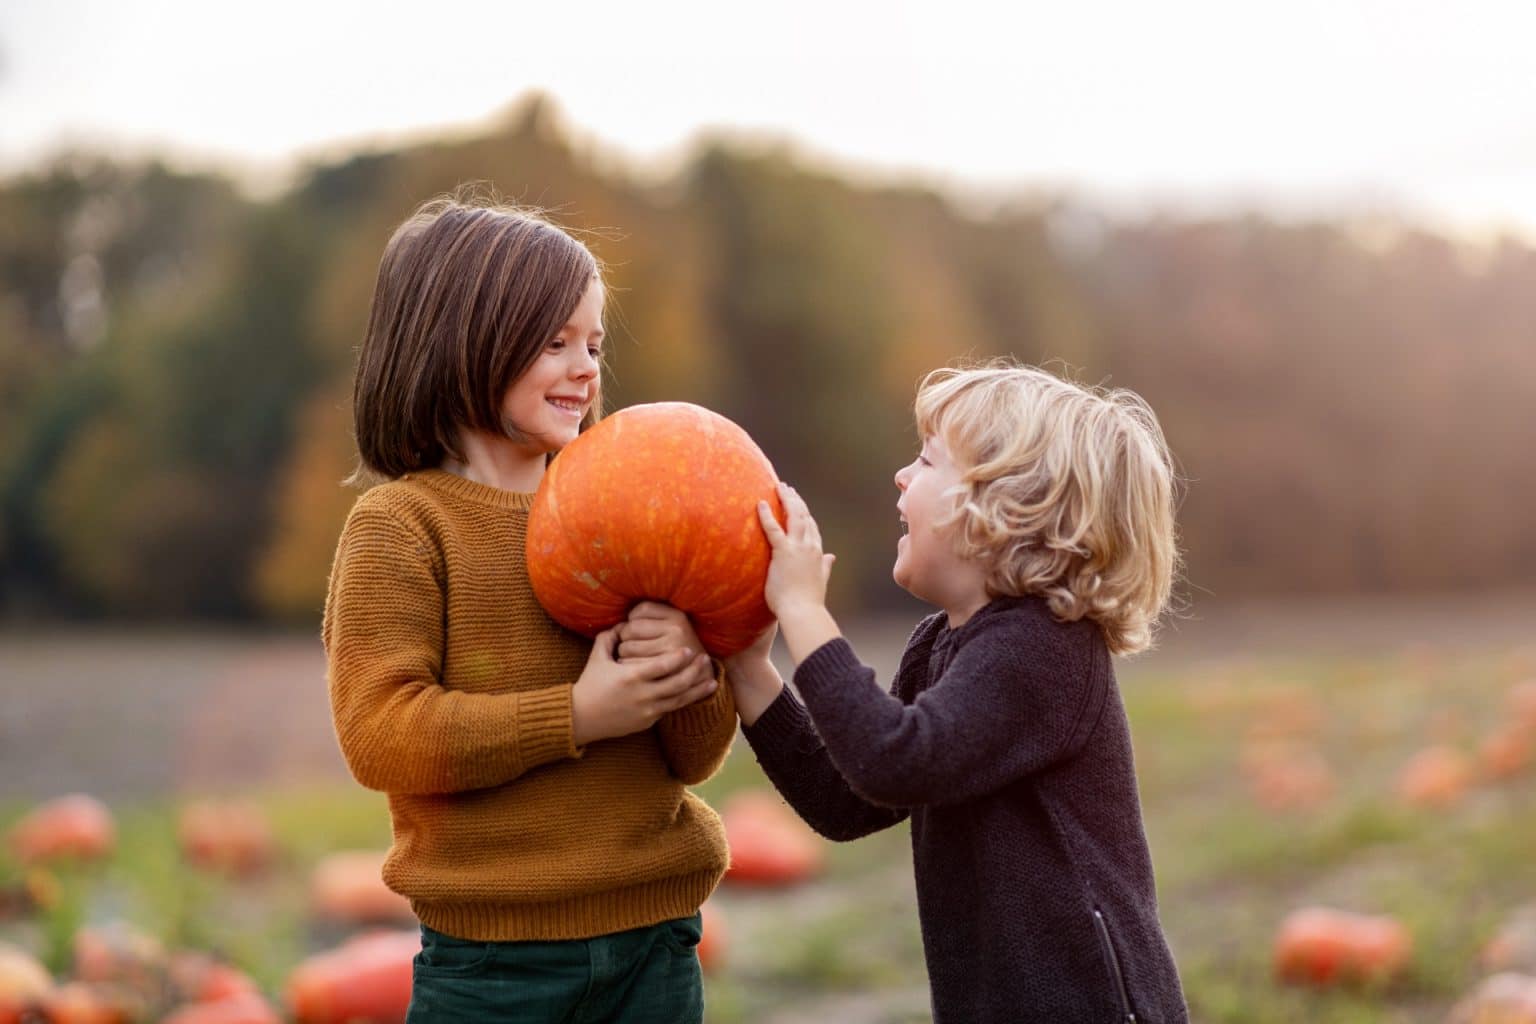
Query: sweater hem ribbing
[582,917]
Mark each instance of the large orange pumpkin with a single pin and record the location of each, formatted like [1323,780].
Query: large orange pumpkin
[656,502]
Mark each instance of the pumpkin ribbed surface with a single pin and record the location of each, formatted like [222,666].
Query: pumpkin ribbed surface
[656,502]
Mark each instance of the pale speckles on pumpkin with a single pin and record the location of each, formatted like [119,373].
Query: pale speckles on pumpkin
[673,518]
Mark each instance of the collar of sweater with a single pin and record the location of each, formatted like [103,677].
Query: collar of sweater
[468,490]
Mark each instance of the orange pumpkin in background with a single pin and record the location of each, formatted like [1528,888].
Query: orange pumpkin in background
[348,886]
[1322,946]
[229,836]
[1502,999]
[769,844]
[713,938]
[1435,777]
[75,827]
[366,980]
[656,502]
[24,983]
[243,1008]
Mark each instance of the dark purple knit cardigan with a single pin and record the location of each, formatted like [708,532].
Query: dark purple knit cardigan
[1007,744]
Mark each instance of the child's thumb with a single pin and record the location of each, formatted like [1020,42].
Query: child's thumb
[602,645]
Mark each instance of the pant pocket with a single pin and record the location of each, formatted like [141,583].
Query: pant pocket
[683,933]
[445,956]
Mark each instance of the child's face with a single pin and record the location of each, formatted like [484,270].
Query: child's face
[927,563]
[548,401]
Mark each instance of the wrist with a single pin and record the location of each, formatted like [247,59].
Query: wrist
[755,685]
[806,627]
[582,724]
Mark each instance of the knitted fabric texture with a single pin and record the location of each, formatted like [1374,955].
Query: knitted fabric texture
[1006,743]
[451,692]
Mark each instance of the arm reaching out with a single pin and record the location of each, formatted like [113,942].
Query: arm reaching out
[792,755]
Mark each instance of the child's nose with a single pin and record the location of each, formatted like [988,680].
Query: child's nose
[901,483]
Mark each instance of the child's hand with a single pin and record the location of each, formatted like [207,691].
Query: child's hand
[797,576]
[616,699]
[755,683]
[654,628]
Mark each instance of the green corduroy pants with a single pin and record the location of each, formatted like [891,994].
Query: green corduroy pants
[641,976]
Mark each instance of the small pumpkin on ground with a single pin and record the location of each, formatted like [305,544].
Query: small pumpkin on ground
[1321,946]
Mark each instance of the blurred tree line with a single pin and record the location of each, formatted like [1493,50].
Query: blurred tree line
[1353,404]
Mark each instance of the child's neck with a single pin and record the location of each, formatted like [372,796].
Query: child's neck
[497,462]
[961,611]
[965,593]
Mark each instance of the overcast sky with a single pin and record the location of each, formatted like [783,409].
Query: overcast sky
[1302,105]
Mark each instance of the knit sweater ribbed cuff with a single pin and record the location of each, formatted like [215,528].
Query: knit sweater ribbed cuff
[828,665]
[785,721]
[703,717]
[545,726]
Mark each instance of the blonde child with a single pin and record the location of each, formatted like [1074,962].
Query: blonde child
[536,780]
[1039,520]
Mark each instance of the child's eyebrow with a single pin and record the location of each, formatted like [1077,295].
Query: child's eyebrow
[598,334]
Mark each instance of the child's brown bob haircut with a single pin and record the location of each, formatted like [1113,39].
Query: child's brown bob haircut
[1066,492]
[469,292]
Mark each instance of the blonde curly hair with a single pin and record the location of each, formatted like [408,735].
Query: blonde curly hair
[1066,492]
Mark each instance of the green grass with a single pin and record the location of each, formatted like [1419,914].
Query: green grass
[846,947]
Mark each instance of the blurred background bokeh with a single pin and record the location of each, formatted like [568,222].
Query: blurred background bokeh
[1306,233]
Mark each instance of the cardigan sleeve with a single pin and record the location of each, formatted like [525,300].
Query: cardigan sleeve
[400,730]
[1014,701]
[796,762]
[696,739]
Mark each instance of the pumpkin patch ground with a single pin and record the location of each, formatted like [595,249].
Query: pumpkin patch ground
[1271,783]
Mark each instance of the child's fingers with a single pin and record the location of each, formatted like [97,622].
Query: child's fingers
[604,644]
[653,610]
[693,694]
[660,666]
[647,648]
[802,525]
[645,629]
[696,672]
[771,527]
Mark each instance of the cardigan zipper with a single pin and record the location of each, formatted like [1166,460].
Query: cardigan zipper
[1114,966]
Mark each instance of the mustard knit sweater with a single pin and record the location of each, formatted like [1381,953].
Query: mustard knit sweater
[451,692]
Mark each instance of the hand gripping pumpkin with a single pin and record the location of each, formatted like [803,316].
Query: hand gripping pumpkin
[656,502]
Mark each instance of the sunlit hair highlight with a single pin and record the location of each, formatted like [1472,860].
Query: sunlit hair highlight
[1066,492]
[469,292]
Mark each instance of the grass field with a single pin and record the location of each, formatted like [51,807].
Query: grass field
[845,948]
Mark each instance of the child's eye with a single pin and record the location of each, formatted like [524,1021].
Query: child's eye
[594,351]
[556,344]
[923,460]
